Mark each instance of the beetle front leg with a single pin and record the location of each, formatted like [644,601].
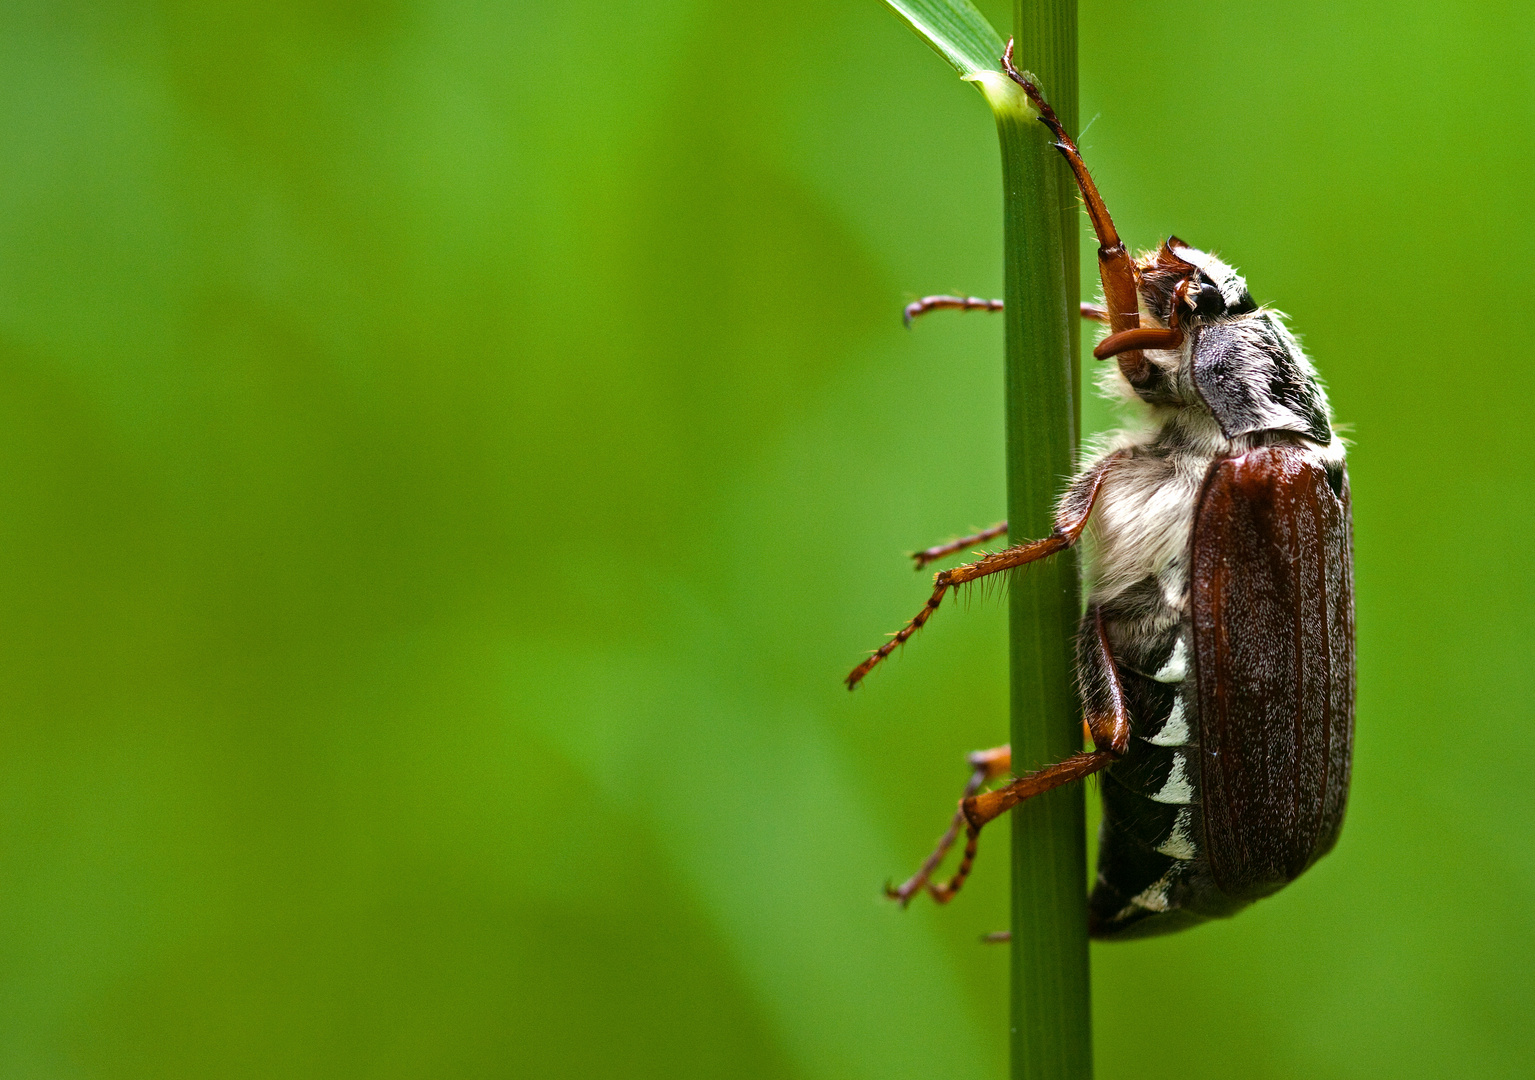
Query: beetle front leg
[1108,723]
[1116,269]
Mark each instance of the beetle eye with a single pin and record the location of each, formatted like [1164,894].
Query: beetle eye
[1210,301]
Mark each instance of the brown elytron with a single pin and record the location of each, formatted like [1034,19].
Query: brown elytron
[1273,615]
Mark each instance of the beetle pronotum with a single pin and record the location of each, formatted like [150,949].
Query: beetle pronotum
[1215,659]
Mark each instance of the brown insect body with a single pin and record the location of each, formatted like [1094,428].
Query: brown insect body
[1215,659]
[1236,775]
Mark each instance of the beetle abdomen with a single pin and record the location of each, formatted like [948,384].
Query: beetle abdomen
[1153,870]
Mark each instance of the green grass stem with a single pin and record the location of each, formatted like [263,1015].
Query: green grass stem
[1051,1005]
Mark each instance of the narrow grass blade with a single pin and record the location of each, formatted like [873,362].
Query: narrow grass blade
[959,33]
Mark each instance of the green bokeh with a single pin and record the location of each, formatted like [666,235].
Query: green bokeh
[450,453]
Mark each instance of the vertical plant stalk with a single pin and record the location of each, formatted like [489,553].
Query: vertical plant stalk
[1051,1018]
[1051,1006]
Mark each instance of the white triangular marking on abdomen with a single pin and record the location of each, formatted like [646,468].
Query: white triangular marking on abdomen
[1177,791]
[1152,898]
[1176,731]
[1177,667]
[1179,844]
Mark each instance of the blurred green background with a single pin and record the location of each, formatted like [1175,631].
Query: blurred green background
[451,452]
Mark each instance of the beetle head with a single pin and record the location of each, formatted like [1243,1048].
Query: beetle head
[1223,355]
[1195,283]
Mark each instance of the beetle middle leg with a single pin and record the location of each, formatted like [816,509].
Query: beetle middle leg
[1069,523]
[1094,312]
[1108,723]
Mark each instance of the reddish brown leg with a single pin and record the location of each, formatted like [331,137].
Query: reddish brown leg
[1115,267]
[1108,720]
[1144,337]
[1107,717]
[1020,555]
[939,551]
[980,809]
[1151,337]
[1068,527]
[948,303]
[976,303]
[986,766]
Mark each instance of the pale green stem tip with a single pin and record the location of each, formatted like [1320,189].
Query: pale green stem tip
[1005,97]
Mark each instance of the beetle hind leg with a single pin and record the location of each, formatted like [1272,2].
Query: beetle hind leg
[980,810]
[986,766]
[1108,723]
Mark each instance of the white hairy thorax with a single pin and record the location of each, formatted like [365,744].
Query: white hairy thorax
[1144,513]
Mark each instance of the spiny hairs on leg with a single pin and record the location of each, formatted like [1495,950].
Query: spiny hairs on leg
[943,582]
[898,639]
[1108,723]
[1006,559]
[943,893]
[980,810]
[1070,520]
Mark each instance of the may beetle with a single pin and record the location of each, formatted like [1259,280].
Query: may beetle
[1215,660]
